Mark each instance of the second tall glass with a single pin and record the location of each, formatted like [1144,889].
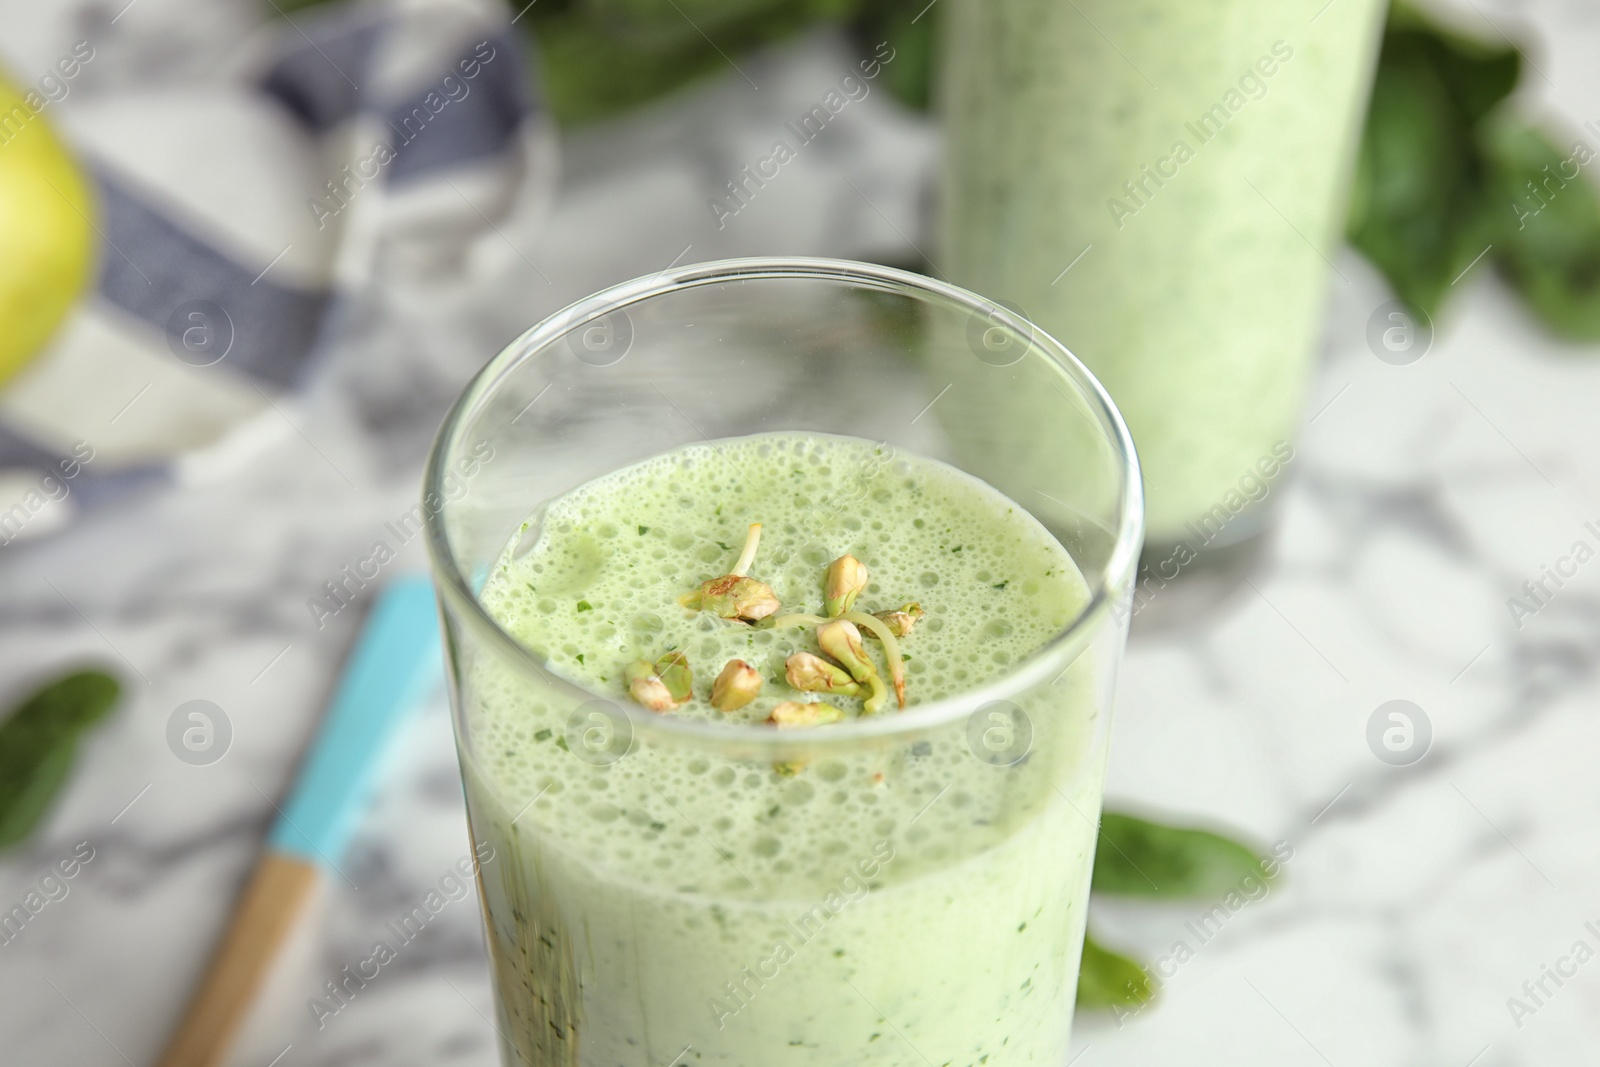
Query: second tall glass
[1161,185]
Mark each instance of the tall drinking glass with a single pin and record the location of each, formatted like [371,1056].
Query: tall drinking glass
[905,888]
[1161,184]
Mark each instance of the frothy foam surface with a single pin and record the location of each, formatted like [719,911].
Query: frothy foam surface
[598,586]
[594,584]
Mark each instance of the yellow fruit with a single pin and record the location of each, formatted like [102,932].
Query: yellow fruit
[46,241]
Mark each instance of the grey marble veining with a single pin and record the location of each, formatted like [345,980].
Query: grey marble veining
[1417,899]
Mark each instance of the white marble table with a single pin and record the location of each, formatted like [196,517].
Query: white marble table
[1417,901]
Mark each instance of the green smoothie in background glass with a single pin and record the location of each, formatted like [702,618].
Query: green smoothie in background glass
[1161,185]
[790,743]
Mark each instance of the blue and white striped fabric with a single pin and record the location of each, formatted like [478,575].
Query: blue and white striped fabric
[236,216]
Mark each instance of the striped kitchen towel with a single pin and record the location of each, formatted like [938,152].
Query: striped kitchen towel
[237,215]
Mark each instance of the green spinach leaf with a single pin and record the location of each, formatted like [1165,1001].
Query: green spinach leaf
[1548,245]
[1107,979]
[1421,204]
[1139,858]
[38,740]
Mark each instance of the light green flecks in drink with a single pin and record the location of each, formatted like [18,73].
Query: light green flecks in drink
[676,897]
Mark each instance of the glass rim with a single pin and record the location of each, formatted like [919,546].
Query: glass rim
[454,586]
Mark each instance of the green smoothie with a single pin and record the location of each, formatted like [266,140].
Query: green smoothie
[914,900]
[1160,184]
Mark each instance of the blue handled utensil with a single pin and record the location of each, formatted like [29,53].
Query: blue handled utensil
[395,665]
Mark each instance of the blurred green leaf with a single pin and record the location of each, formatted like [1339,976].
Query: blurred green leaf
[666,25]
[1476,73]
[38,740]
[1420,207]
[1139,858]
[1107,980]
[588,74]
[1548,241]
[600,57]
[24,800]
[911,30]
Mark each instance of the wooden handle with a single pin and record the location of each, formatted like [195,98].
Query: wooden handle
[265,914]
